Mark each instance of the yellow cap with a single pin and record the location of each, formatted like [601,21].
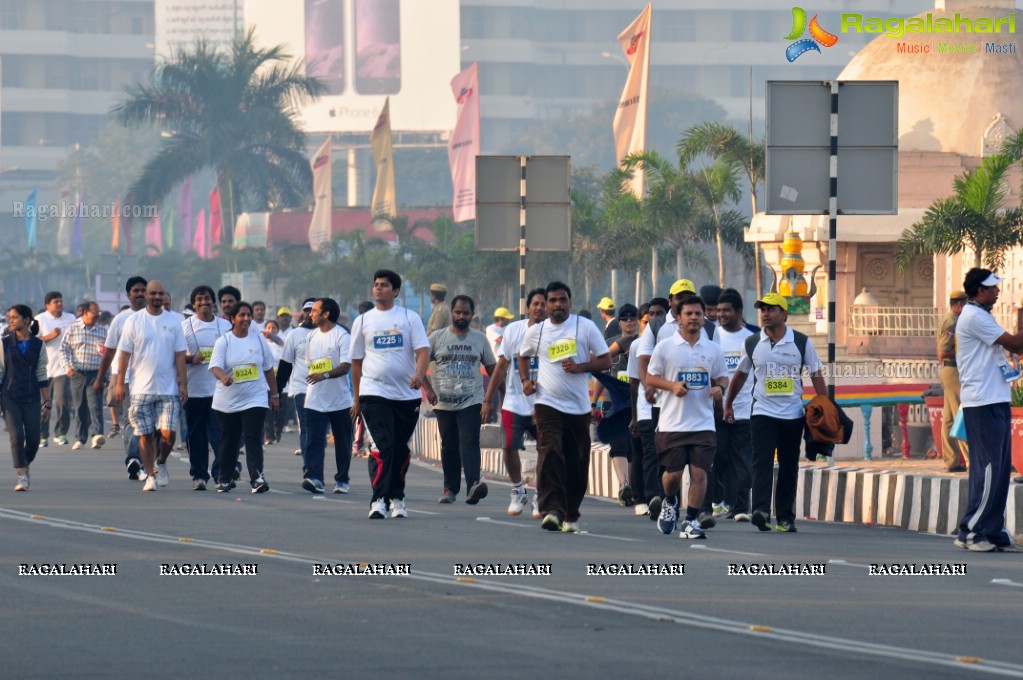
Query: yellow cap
[504,313]
[438,288]
[606,304]
[772,300]
[283,310]
[682,286]
[958,295]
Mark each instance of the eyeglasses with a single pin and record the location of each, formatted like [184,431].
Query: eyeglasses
[627,317]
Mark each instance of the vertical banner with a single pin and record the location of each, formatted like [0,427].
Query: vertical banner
[31,220]
[385,200]
[630,118]
[115,223]
[168,232]
[199,244]
[64,226]
[319,225]
[185,214]
[215,222]
[464,145]
[76,230]
[154,236]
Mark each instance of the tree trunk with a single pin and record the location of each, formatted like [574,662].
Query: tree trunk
[679,263]
[721,257]
[653,271]
[756,250]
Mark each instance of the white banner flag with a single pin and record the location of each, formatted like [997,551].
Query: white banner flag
[630,118]
[464,145]
[319,225]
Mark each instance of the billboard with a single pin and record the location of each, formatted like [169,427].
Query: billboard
[365,51]
[179,22]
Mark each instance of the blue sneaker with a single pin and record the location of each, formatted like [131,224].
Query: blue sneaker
[691,529]
[668,516]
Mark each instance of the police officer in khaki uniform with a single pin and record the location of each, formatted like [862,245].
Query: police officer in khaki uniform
[954,452]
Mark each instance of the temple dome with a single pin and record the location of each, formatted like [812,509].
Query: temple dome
[949,101]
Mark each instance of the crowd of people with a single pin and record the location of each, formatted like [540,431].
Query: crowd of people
[692,387]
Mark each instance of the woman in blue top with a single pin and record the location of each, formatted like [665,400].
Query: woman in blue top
[23,367]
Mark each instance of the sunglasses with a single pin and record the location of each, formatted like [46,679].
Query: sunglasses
[627,317]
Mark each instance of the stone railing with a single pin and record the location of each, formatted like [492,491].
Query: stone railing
[910,321]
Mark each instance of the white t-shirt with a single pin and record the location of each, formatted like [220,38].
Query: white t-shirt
[200,336]
[514,400]
[276,351]
[699,367]
[294,354]
[979,359]
[47,324]
[176,316]
[246,360]
[566,392]
[114,337]
[387,341]
[152,340]
[325,352]
[494,333]
[778,391]
[733,346]
[644,408]
[257,326]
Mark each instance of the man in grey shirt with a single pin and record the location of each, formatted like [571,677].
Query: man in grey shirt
[455,389]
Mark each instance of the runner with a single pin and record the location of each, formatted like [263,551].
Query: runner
[243,367]
[135,287]
[390,354]
[517,409]
[293,371]
[201,333]
[690,370]
[155,346]
[455,389]
[328,400]
[23,366]
[52,324]
[569,348]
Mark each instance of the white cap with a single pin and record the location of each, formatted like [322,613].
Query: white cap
[991,280]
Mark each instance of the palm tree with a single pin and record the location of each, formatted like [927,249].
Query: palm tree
[972,218]
[716,186]
[725,143]
[671,208]
[235,112]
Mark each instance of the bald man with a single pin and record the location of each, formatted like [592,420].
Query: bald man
[153,344]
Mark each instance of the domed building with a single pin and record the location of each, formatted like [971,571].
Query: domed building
[954,108]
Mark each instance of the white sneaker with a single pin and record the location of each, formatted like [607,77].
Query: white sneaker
[536,508]
[143,475]
[150,483]
[378,509]
[22,483]
[398,509]
[162,478]
[642,509]
[570,527]
[98,441]
[519,499]
[76,446]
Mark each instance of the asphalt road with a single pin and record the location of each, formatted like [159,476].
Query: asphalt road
[287,620]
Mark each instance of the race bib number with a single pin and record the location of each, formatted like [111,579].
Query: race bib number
[1009,372]
[388,342]
[324,365]
[695,378]
[206,353]
[780,387]
[245,373]
[732,360]
[562,349]
[623,376]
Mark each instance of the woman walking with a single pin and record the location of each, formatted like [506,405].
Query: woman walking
[26,390]
[244,368]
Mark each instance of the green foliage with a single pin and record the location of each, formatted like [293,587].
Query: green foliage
[234,111]
[973,217]
[1016,394]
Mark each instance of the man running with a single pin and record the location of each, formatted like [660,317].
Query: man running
[52,324]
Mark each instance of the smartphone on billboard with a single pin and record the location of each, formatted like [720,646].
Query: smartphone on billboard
[377,47]
[324,43]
